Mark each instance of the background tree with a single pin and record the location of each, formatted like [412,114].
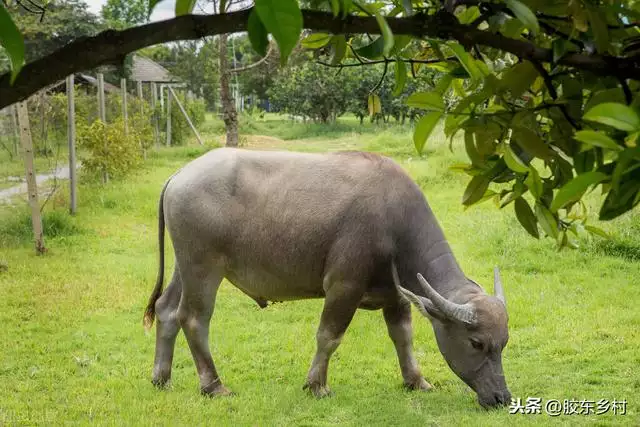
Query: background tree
[120,14]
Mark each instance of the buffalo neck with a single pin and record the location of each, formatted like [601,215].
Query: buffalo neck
[429,253]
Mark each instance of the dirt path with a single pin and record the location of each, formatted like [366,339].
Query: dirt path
[61,172]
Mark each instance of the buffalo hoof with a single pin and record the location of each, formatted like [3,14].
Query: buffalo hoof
[318,390]
[215,389]
[161,383]
[421,385]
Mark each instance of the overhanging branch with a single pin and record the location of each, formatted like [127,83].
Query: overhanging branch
[111,46]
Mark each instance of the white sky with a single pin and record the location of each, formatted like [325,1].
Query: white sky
[164,9]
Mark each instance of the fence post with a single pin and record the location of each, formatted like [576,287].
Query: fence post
[71,133]
[168,118]
[125,117]
[14,125]
[102,113]
[154,115]
[27,147]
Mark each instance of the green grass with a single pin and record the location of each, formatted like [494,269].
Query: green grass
[73,350]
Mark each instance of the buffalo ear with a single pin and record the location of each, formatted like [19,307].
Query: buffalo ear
[423,304]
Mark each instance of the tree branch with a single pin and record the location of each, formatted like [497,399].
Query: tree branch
[111,46]
[386,61]
[255,64]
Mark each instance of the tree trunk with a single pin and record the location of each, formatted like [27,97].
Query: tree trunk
[229,115]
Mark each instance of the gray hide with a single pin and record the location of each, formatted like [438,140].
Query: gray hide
[351,228]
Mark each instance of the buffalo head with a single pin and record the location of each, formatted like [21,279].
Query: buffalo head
[471,336]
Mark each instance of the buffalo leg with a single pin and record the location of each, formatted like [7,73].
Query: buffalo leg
[398,318]
[200,283]
[167,329]
[340,304]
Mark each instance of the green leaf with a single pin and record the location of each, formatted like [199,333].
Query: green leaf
[526,217]
[560,48]
[426,101]
[424,128]
[531,142]
[401,77]
[335,7]
[466,60]
[475,190]
[468,15]
[444,84]
[184,7]
[471,149]
[11,39]
[283,19]
[574,190]
[616,115]
[316,40]
[546,220]
[387,35]
[257,34]
[513,161]
[597,231]
[597,139]
[375,107]
[373,50]
[339,49]
[534,183]
[623,200]
[524,14]
[599,29]
[519,78]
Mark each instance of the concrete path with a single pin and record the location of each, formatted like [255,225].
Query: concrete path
[61,173]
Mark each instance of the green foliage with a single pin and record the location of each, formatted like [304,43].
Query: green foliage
[107,147]
[180,130]
[283,19]
[119,14]
[64,21]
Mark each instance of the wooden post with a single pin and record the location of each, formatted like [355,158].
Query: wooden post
[71,133]
[162,97]
[14,125]
[125,117]
[141,102]
[168,117]
[27,148]
[184,113]
[102,113]
[140,96]
[154,115]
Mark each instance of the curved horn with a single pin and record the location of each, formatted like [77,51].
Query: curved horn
[498,291]
[462,312]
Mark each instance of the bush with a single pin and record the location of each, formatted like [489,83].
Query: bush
[180,130]
[106,147]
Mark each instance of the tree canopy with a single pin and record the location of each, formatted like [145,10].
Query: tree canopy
[544,93]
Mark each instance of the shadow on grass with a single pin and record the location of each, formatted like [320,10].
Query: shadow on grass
[618,249]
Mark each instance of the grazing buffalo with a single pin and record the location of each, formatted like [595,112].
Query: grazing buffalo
[348,227]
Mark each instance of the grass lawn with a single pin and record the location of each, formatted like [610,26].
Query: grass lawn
[73,349]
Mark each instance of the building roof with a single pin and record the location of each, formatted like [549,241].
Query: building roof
[146,70]
[108,87]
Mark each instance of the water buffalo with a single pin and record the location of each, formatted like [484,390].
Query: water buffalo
[348,227]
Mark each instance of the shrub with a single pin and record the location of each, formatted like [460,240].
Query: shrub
[107,147]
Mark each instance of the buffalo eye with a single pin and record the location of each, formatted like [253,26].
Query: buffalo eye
[476,344]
